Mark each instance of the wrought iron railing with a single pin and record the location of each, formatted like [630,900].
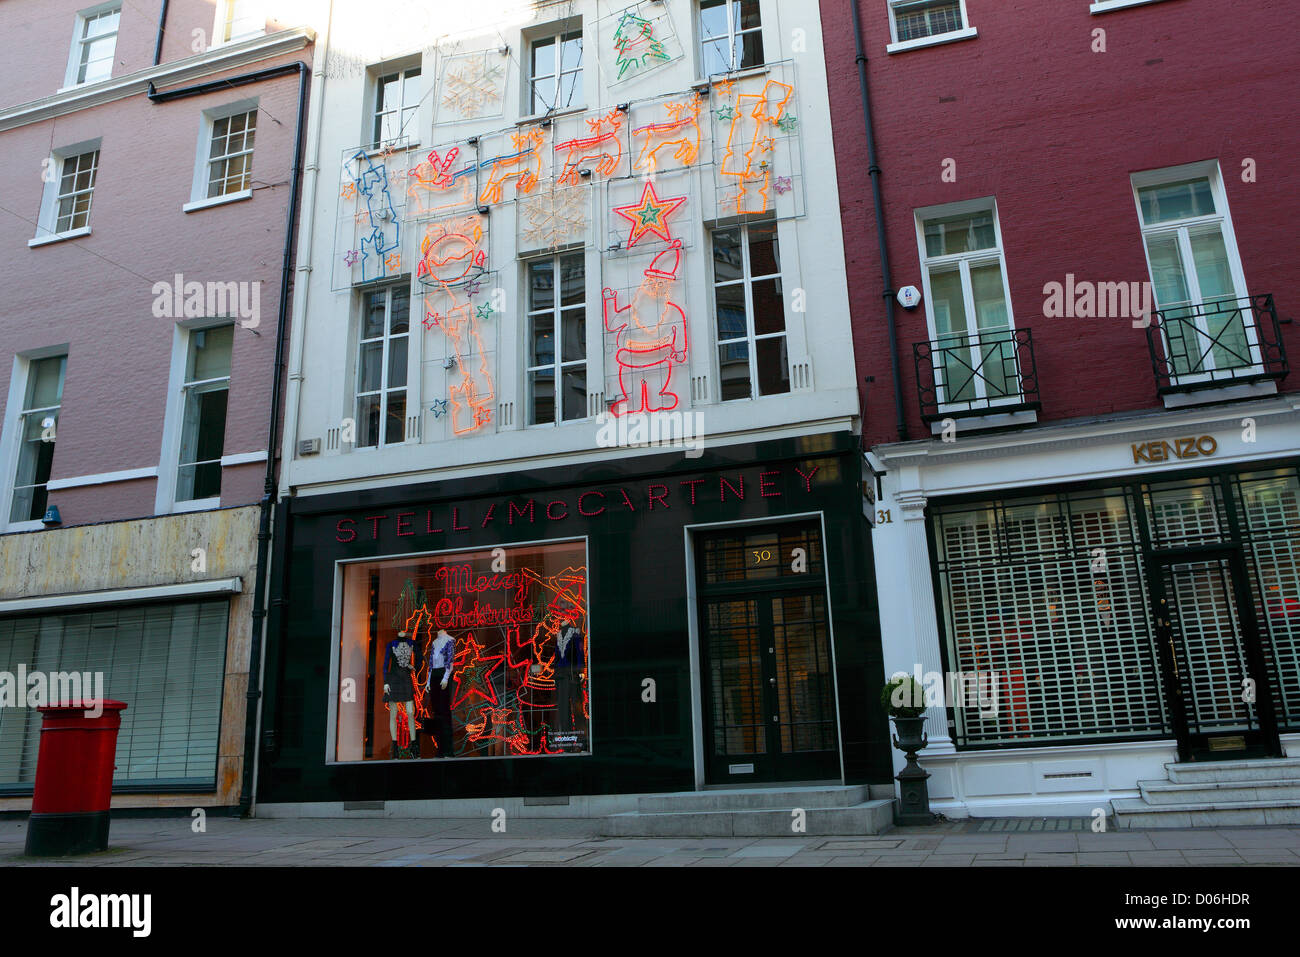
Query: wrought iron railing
[1216,343]
[983,374]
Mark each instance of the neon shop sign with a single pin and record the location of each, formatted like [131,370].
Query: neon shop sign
[782,482]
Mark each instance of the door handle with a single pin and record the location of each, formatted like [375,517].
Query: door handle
[771,681]
[776,718]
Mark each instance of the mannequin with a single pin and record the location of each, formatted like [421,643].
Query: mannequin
[401,662]
[569,665]
[441,656]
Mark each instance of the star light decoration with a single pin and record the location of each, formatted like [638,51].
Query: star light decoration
[474,672]
[726,114]
[484,311]
[439,408]
[787,123]
[472,288]
[782,185]
[350,258]
[650,215]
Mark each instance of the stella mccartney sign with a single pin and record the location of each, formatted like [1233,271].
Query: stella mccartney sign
[594,503]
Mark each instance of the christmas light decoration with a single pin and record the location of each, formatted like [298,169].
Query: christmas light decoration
[635,43]
[650,339]
[601,152]
[748,137]
[473,86]
[681,131]
[650,214]
[524,166]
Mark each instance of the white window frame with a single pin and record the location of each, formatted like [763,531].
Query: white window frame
[557,34]
[412,364]
[732,34]
[224,9]
[1105,6]
[376,75]
[47,218]
[1181,228]
[199,198]
[746,281]
[558,365]
[12,435]
[70,80]
[174,420]
[896,45]
[964,262]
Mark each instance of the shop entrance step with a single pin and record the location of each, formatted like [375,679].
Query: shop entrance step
[1255,792]
[755,812]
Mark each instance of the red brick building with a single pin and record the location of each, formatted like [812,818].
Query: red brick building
[1085,444]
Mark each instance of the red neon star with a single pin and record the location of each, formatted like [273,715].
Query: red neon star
[473,670]
[650,215]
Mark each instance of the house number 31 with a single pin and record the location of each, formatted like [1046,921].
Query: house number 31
[883,517]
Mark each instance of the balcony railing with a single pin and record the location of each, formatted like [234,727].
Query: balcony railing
[984,374]
[1216,343]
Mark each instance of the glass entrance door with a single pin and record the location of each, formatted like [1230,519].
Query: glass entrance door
[1207,629]
[769,693]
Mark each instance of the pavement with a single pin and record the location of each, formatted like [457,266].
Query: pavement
[395,842]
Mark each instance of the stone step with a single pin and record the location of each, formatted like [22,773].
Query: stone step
[748,799]
[1134,813]
[1220,792]
[1254,769]
[869,817]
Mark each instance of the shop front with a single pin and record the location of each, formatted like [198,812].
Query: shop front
[641,624]
[1132,596]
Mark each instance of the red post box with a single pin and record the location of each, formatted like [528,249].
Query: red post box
[74,779]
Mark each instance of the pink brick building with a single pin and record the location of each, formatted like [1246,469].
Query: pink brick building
[147,168]
[1090,505]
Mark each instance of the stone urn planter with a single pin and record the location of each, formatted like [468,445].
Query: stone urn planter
[903,699]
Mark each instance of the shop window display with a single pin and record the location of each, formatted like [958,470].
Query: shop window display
[465,654]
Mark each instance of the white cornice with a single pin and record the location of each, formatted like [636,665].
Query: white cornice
[195,67]
[1074,435]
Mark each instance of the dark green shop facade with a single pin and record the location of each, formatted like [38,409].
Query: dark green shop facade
[644,624]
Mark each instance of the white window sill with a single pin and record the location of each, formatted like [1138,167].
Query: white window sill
[59,237]
[732,76]
[967,33]
[195,505]
[539,117]
[372,151]
[198,204]
[33,526]
[1105,6]
[217,44]
[81,86]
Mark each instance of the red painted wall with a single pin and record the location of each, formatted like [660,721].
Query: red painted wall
[1035,118]
[95,292]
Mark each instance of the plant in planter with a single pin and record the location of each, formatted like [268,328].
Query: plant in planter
[904,700]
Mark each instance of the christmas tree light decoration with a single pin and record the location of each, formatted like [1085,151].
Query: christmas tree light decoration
[650,214]
[635,43]
[681,131]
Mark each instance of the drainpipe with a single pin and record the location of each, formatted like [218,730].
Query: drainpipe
[873,167]
[253,714]
[162,27]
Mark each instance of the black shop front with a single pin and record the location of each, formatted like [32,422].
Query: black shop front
[642,624]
